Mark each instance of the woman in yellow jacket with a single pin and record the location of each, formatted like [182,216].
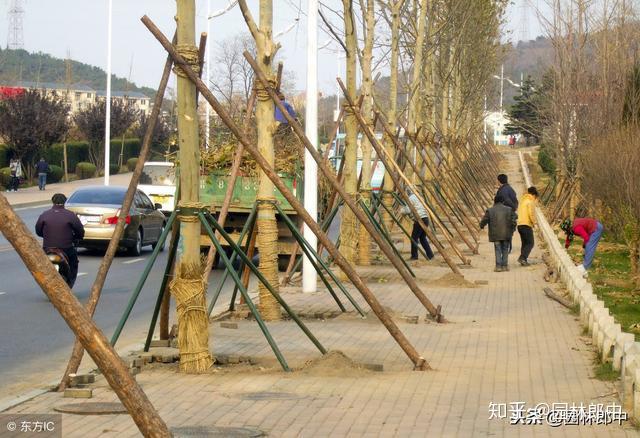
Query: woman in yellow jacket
[526,221]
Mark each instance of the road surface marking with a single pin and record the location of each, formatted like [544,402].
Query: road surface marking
[5,248]
[44,204]
[128,262]
[80,274]
[2,293]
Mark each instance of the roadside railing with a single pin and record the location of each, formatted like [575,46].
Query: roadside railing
[612,343]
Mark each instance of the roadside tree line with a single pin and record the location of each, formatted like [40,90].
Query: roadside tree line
[36,124]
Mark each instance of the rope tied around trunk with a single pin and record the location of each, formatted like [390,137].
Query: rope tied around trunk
[188,211]
[189,53]
[349,110]
[261,91]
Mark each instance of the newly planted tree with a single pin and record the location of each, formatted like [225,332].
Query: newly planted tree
[267,238]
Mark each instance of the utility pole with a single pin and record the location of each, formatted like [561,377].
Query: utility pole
[68,81]
[207,64]
[107,126]
[309,275]
[15,40]
[501,86]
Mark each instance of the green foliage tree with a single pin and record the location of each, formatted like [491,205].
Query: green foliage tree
[91,123]
[30,123]
[525,114]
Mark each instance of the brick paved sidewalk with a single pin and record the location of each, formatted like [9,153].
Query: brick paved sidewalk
[506,342]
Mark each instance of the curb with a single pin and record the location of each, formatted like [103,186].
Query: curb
[612,344]
[12,402]
[31,204]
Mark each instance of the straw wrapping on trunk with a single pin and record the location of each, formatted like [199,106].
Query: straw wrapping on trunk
[193,324]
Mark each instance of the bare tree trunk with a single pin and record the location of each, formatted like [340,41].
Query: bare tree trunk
[188,286]
[267,237]
[387,197]
[349,223]
[415,100]
[364,241]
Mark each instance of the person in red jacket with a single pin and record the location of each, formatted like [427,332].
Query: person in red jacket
[590,230]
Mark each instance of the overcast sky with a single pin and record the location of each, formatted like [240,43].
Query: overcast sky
[80,26]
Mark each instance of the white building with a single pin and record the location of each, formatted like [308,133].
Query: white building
[80,96]
[496,122]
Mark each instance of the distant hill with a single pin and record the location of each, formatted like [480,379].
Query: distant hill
[527,58]
[20,65]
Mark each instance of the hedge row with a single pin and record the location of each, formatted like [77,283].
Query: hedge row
[78,152]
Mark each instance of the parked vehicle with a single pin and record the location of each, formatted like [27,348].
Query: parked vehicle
[213,188]
[98,209]
[158,182]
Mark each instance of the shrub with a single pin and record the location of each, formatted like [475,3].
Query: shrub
[5,176]
[131,148]
[85,170]
[4,156]
[55,173]
[131,164]
[546,161]
[114,169]
[77,152]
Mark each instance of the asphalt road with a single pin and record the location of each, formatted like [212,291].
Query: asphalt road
[35,342]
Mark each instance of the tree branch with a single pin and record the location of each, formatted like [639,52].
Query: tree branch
[248,18]
[335,35]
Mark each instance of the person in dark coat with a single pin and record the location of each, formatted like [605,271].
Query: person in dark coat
[60,228]
[508,195]
[42,168]
[507,192]
[502,223]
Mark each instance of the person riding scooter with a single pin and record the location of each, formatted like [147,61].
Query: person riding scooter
[59,229]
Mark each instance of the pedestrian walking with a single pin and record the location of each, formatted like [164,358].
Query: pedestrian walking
[508,194]
[502,223]
[417,233]
[42,168]
[15,169]
[590,230]
[526,221]
[510,199]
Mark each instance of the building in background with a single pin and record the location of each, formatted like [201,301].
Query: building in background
[496,122]
[80,96]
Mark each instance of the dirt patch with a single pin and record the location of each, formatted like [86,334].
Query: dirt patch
[452,280]
[334,363]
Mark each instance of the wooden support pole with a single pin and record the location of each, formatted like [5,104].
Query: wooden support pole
[79,321]
[451,219]
[436,218]
[98,284]
[419,362]
[391,166]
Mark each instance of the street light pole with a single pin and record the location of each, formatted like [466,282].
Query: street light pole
[309,275]
[107,123]
[501,86]
[207,64]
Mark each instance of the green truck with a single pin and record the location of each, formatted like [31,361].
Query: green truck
[213,188]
